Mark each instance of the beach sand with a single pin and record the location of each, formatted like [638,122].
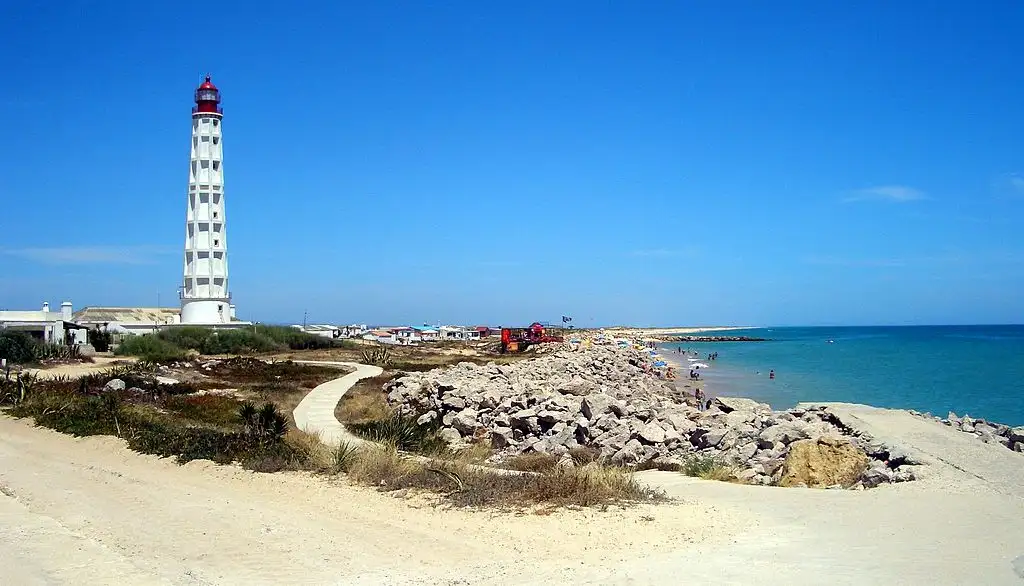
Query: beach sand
[87,510]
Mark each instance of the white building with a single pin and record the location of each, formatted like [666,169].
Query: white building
[53,327]
[128,320]
[457,333]
[205,297]
[428,334]
[406,336]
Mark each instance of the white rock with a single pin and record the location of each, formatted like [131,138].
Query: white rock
[652,433]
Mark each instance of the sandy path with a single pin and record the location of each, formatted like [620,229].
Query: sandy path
[315,413]
[98,364]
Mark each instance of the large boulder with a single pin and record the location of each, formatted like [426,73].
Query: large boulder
[784,433]
[501,437]
[822,463]
[652,433]
[466,421]
[729,404]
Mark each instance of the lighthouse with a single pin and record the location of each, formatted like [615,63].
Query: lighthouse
[205,297]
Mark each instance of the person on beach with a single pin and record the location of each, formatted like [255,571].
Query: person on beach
[699,395]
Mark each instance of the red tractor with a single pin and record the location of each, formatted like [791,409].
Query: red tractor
[519,339]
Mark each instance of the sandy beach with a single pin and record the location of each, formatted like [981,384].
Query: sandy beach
[98,513]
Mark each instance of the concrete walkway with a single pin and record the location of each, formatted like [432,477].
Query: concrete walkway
[315,414]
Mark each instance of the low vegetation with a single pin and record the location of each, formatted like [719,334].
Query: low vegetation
[20,348]
[150,348]
[403,432]
[463,484]
[708,468]
[379,356]
[171,344]
[178,420]
[365,401]
[249,424]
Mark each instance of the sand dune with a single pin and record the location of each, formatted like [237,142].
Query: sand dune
[87,510]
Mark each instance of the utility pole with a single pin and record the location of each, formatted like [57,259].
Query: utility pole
[304,314]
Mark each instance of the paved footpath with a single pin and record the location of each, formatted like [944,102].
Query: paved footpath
[315,414]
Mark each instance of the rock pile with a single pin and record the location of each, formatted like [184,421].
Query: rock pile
[990,433]
[606,399]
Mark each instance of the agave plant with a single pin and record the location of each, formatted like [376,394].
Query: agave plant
[14,392]
[378,356]
[265,424]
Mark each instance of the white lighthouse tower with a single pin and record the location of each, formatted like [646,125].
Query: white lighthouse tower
[205,297]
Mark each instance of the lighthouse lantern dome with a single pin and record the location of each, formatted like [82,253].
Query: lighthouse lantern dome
[207,97]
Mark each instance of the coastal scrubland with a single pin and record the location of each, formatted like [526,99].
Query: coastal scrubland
[180,342]
[234,410]
[238,410]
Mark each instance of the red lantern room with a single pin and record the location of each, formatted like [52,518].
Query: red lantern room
[207,98]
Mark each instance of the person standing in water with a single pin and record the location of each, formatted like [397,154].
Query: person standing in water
[771,374]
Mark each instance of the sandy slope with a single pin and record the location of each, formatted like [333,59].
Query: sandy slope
[90,511]
[87,510]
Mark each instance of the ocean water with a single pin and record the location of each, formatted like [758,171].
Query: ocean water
[978,370]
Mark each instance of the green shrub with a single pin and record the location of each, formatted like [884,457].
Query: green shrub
[150,348]
[101,340]
[237,342]
[295,339]
[186,337]
[17,347]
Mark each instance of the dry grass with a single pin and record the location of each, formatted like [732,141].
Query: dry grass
[382,466]
[531,462]
[708,468]
[311,451]
[464,485]
[476,453]
[365,401]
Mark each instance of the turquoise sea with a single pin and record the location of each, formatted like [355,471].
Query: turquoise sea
[978,370]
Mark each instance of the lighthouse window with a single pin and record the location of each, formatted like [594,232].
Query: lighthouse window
[216,139]
[216,165]
[216,242]
[216,122]
[214,215]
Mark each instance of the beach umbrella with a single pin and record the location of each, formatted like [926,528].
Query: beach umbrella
[699,365]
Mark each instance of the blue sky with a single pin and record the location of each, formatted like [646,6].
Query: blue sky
[791,163]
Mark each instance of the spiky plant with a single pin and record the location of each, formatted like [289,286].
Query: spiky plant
[344,455]
[378,356]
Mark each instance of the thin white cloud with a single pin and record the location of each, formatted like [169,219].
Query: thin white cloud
[893,193]
[1010,184]
[68,255]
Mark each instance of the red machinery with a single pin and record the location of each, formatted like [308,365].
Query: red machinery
[519,339]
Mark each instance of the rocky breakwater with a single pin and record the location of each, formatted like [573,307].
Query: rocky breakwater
[986,431]
[606,400]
